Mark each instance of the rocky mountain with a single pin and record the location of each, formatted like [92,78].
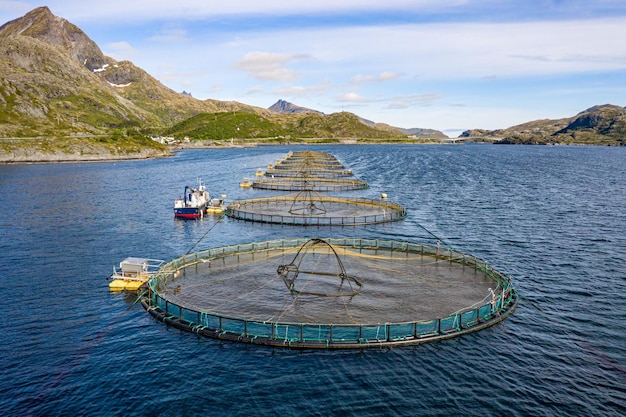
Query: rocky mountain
[285,107]
[55,81]
[598,125]
[169,106]
[424,133]
[42,92]
[42,25]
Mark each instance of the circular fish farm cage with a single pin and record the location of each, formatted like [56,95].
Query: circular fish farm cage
[310,208]
[295,166]
[309,155]
[329,294]
[306,181]
[307,161]
[291,162]
[314,172]
[308,170]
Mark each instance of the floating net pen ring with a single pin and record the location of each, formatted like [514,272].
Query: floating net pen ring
[331,293]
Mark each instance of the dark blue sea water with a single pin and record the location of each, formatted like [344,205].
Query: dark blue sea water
[554,218]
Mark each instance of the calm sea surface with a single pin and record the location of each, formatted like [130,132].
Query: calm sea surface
[554,218]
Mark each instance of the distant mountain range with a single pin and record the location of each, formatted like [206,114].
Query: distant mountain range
[285,107]
[599,125]
[55,82]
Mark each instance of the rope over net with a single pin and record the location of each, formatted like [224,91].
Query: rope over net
[305,203]
[289,273]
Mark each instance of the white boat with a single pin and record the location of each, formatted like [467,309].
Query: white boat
[133,273]
[193,203]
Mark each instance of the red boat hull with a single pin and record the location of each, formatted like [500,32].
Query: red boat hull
[187,213]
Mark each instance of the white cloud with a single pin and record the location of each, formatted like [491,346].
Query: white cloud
[395,102]
[257,89]
[301,91]
[427,52]
[405,101]
[120,51]
[458,51]
[351,98]
[213,89]
[383,76]
[171,34]
[268,65]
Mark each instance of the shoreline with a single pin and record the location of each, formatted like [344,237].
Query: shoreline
[70,158]
[28,157]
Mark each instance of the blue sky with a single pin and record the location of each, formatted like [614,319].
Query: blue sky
[449,65]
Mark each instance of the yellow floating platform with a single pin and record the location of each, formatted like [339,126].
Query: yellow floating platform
[126,284]
[133,273]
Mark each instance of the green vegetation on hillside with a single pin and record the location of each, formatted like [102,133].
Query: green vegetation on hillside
[227,125]
[335,125]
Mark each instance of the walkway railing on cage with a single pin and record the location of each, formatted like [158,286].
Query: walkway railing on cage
[318,335]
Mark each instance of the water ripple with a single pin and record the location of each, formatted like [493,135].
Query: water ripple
[551,217]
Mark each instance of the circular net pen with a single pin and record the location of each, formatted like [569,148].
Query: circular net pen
[310,208]
[317,172]
[295,164]
[330,294]
[305,181]
[308,155]
[308,161]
